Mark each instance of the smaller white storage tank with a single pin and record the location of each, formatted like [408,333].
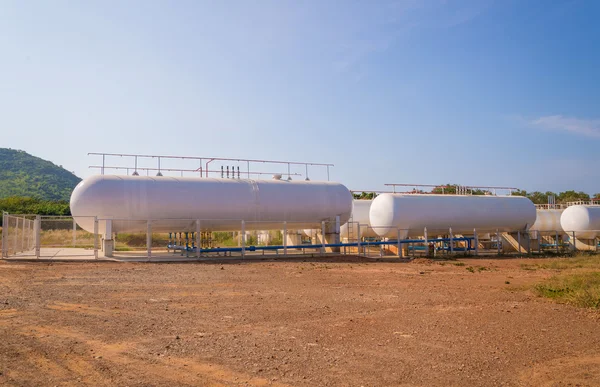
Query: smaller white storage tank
[547,221]
[412,213]
[584,220]
[360,216]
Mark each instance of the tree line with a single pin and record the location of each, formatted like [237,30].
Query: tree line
[535,196]
[24,205]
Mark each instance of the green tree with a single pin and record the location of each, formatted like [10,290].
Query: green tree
[572,196]
[31,206]
[519,193]
[365,195]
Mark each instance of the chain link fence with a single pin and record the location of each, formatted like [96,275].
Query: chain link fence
[54,237]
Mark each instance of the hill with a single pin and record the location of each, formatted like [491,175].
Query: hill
[24,175]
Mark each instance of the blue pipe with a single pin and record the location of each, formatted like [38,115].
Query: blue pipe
[351,244]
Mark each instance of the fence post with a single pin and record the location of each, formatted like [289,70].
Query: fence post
[539,241]
[322,237]
[244,238]
[426,237]
[556,243]
[358,246]
[498,241]
[476,241]
[149,239]
[451,241]
[37,225]
[284,238]
[4,234]
[74,232]
[95,237]
[29,232]
[399,244]
[519,241]
[574,244]
[198,238]
[16,235]
[23,235]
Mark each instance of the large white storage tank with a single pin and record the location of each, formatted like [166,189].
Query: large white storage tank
[547,221]
[360,216]
[173,204]
[412,213]
[584,220]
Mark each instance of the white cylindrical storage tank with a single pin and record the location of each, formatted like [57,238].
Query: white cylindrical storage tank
[360,216]
[547,221]
[173,204]
[412,213]
[584,220]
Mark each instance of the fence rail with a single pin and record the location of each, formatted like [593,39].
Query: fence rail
[53,237]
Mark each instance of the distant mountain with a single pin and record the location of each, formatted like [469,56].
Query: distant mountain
[22,174]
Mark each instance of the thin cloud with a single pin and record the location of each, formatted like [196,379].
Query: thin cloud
[384,25]
[589,128]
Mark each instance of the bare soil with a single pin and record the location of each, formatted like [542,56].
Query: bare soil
[346,321]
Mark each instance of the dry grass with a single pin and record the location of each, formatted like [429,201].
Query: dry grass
[578,281]
[65,238]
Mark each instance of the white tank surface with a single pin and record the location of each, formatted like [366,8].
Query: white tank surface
[547,221]
[463,213]
[220,204]
[584,220]
[360,215]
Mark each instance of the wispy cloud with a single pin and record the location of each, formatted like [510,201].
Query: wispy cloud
[379,28]
[584,127]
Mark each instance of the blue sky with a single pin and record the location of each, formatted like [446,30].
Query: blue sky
[471,92]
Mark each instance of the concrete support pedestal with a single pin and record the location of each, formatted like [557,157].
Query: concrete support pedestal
[108,242]
[332,235]
[108,247]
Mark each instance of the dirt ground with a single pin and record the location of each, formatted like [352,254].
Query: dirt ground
[347,321]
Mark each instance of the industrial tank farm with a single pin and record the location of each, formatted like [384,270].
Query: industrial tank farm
[290,211]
